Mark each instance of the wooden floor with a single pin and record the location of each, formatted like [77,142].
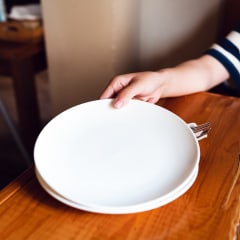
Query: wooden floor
[12,162]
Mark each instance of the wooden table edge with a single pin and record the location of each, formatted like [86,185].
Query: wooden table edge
[16,185]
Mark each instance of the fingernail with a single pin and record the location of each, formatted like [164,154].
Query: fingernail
[118,103]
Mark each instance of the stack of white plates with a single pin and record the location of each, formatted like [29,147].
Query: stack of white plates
[100,159]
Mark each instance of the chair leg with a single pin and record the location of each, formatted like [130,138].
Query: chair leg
[15,134]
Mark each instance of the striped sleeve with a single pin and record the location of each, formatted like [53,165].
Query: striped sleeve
[227,51]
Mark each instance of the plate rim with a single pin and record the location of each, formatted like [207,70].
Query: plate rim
[109,100]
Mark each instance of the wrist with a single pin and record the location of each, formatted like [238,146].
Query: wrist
[167,76]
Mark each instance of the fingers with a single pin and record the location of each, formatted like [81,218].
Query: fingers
[116,85]
[131,91]
[143,86]
[107,93]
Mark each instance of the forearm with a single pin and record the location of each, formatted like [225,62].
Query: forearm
[193,76]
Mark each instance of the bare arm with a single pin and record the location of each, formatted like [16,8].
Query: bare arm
[189,77]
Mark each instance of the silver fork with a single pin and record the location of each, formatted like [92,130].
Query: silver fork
[202,134]
[201,127]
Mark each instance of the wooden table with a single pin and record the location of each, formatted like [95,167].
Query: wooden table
[210,209]
[21,61]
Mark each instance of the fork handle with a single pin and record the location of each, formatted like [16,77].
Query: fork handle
[199,135]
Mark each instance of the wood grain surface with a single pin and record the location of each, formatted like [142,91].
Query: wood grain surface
[210,209]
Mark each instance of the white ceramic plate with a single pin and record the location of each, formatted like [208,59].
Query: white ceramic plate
[106,158]
[133,209]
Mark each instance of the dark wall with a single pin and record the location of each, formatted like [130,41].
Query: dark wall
[231,16]
[10,3]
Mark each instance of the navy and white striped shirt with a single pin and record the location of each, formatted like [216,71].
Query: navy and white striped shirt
[227,51]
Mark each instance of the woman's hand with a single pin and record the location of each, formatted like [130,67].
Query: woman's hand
[189,77]
[145,86]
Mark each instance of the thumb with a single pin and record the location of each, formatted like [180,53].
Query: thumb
[124,96]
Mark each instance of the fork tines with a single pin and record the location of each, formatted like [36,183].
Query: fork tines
[201,127]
